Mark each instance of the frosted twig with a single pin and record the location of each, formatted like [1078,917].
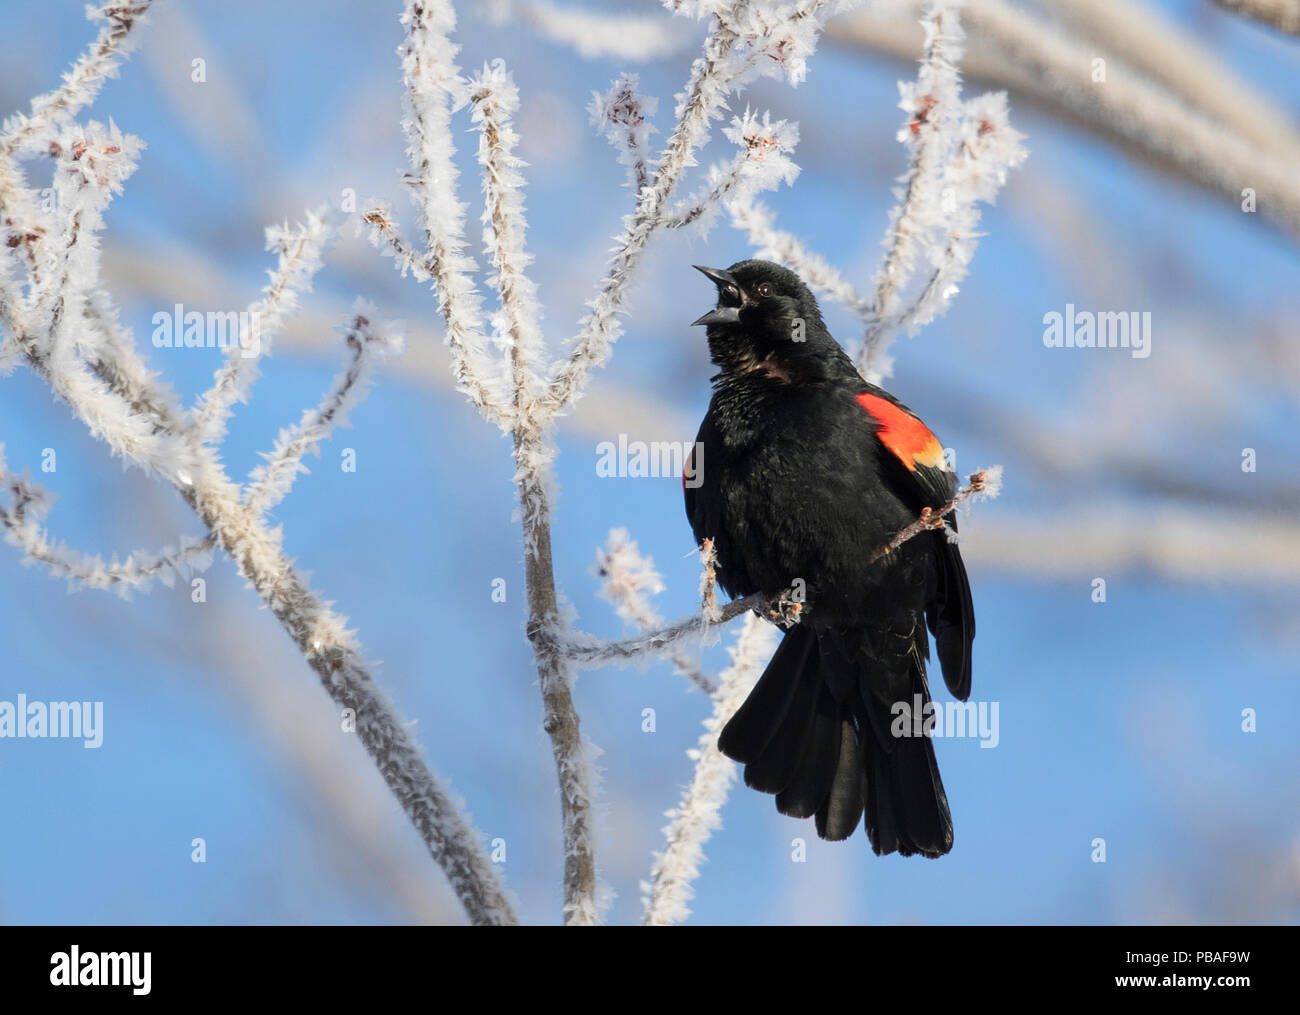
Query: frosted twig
[933,108]
[770,243]
[1146,117]
[745,39]
[21,133]
[329,647]
[495,98]
[622,114]
[298,257]
[713,75]
[433,90]
[128,434]
[115,396]
[711,78]
[22,529]
[331,650]
[975,172]
[588,653]
[108,353]
[385,238]
[81,83]
[270,483]
[628,580]
[986,482]
[91,164]
[667,895]
[762,163]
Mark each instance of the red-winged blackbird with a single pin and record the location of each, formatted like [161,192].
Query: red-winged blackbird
[806,469]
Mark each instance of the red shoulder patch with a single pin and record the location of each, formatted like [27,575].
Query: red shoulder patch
[904,434]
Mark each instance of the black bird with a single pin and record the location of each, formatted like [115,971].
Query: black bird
[806,468]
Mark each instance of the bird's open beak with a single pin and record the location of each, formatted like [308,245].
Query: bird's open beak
[718,315]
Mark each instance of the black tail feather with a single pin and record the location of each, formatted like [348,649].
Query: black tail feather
[756,721]
[907,809]
[951,618]
[810,782]
[826,747]
[774,769]
[841,811]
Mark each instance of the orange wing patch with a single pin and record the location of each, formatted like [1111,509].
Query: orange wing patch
[904,434]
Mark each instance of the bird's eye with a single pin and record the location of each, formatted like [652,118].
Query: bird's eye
[765,290]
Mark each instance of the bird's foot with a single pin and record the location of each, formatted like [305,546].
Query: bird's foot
[784,611]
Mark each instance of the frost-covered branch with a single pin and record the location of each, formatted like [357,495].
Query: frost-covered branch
[985,483]
[555,675]
[385,238]
[299,251]
[628,579]
[331,650]
[746,38]
[667,895]
[495,99]
[770,243]
[623,115]
[434,90]
[81,83]
[503,388]
[91,164]
[365,338]
[21,520]
[988,148]
[763,163]
[711,79]
[590,652]
[933,107]
[960,153]
[68,333]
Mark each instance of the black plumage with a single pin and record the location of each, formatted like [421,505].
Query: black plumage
[804,469]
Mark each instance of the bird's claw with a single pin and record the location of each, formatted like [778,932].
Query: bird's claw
[784,611]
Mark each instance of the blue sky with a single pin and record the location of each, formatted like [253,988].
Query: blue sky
[1118,720]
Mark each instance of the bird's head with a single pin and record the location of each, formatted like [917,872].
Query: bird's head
[766,320]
